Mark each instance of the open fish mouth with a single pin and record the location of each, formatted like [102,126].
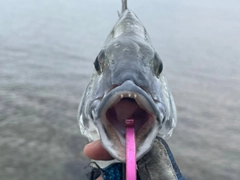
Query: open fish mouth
[128,108]
[127,101]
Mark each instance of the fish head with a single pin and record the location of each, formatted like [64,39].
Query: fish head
[128,84]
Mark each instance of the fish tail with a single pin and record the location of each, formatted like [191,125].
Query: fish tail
[124,5]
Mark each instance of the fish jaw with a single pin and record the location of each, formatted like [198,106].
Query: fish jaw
[123,102]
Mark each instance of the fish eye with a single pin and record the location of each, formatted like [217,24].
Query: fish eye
[96,64]
[99,62]
[157,65]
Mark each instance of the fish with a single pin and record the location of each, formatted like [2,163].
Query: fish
[127,83]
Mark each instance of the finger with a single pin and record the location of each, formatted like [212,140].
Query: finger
[94,150]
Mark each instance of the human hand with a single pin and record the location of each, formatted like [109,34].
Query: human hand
[157,164]
[95,150]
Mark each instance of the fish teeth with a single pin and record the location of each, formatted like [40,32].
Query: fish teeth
[135,96]
[129,95]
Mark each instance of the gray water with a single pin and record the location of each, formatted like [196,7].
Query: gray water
[46,53]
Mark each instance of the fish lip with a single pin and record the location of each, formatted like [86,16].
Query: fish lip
[128,87]
[145,101]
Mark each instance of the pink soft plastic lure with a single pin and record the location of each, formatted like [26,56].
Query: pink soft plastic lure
[130,150]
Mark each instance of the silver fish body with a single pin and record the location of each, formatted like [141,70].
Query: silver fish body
[127,83]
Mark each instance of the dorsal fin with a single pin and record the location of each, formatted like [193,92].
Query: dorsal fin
[124,5]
